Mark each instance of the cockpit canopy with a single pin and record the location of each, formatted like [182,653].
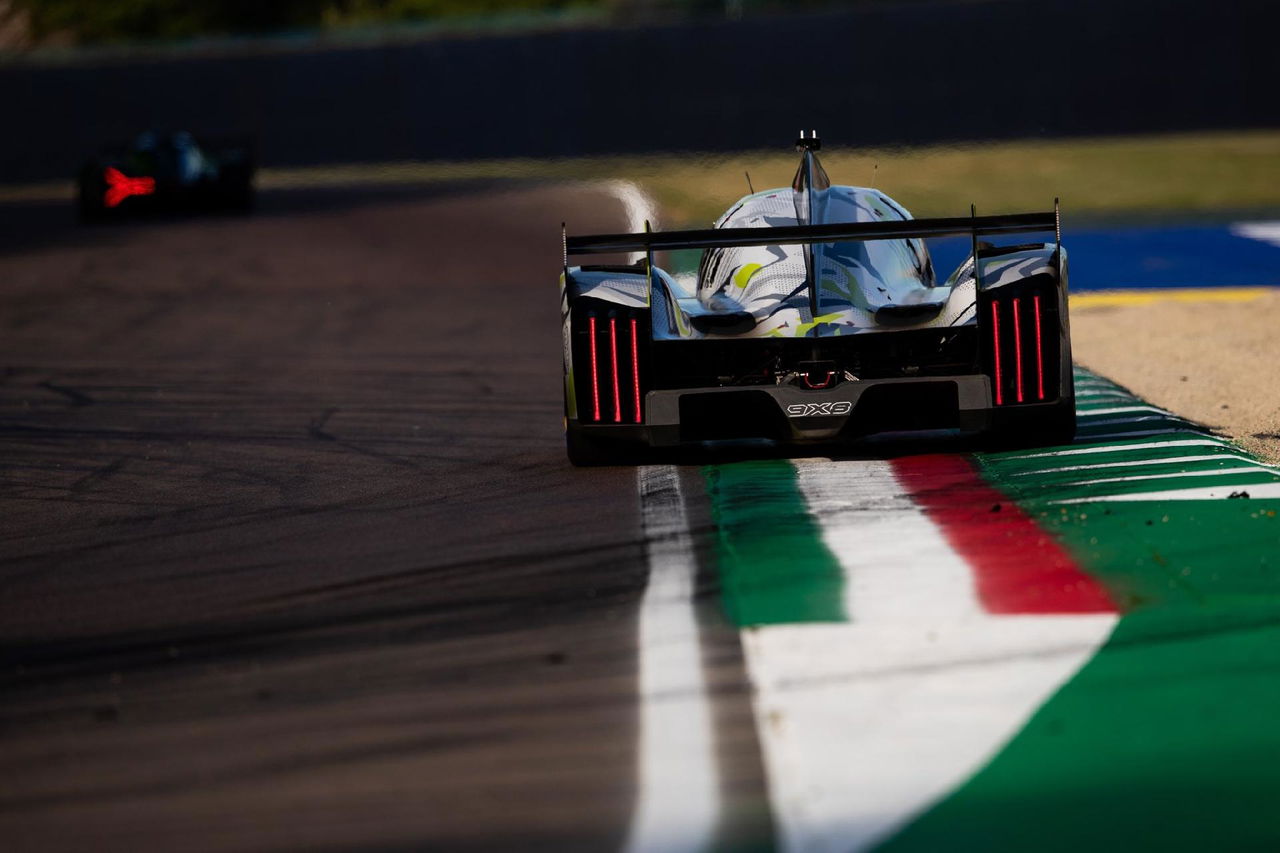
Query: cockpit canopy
[863,274]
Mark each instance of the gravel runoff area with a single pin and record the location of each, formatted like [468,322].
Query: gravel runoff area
[1213,360]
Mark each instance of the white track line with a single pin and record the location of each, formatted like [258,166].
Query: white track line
[638,205]
[1083,422]
[865,725]
[1139,433]
[1119,410]
[1101,396]
[678,806]
[1255,468]
[1133,463]
[1201,493]
[1267,232]
[1122,448]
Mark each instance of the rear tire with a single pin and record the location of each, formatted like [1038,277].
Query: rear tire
[585,451]
[242,197]
[89,202]
[1057,428]
[1022,429]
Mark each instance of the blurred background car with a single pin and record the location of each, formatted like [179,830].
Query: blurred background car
[162,171]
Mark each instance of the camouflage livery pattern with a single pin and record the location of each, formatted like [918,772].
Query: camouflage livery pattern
[863,286]
[855,279]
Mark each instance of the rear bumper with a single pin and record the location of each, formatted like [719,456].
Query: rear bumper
[845,412]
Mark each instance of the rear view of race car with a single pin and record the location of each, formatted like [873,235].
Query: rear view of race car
[166,172]
[815,316]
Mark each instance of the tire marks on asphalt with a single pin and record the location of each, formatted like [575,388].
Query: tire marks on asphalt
[419,635]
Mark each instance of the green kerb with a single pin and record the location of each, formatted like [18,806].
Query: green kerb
[1167,739]
[773,565]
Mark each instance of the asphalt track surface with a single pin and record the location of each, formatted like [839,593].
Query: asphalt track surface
[290,553]
[291,558]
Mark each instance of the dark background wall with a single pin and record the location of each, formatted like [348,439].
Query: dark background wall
[915,73]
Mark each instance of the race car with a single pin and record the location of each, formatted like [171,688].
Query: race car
[815,317]
[166,172]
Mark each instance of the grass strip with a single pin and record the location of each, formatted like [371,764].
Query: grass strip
[1142,177]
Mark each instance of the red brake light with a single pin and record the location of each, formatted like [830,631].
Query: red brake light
[120,186]
[635,367]
[595,373]
[1039,354]
[995,339]
[613,348]
[1017,346]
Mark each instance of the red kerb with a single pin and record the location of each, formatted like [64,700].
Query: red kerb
[1017,566]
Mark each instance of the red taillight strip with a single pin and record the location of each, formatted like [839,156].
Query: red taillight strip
[1017,346]
[120,186]
[635,367]
[613,348]
[995,339]
[595,372]
[1039,353]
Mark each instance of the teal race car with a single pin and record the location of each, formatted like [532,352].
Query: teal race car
[161,172]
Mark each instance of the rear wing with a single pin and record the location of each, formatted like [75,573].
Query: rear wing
[973,226]
[789,235]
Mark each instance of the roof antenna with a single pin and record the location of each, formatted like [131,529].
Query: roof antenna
[977,265]
[748,174]
[808,143]
[875,167]
[1057,237]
